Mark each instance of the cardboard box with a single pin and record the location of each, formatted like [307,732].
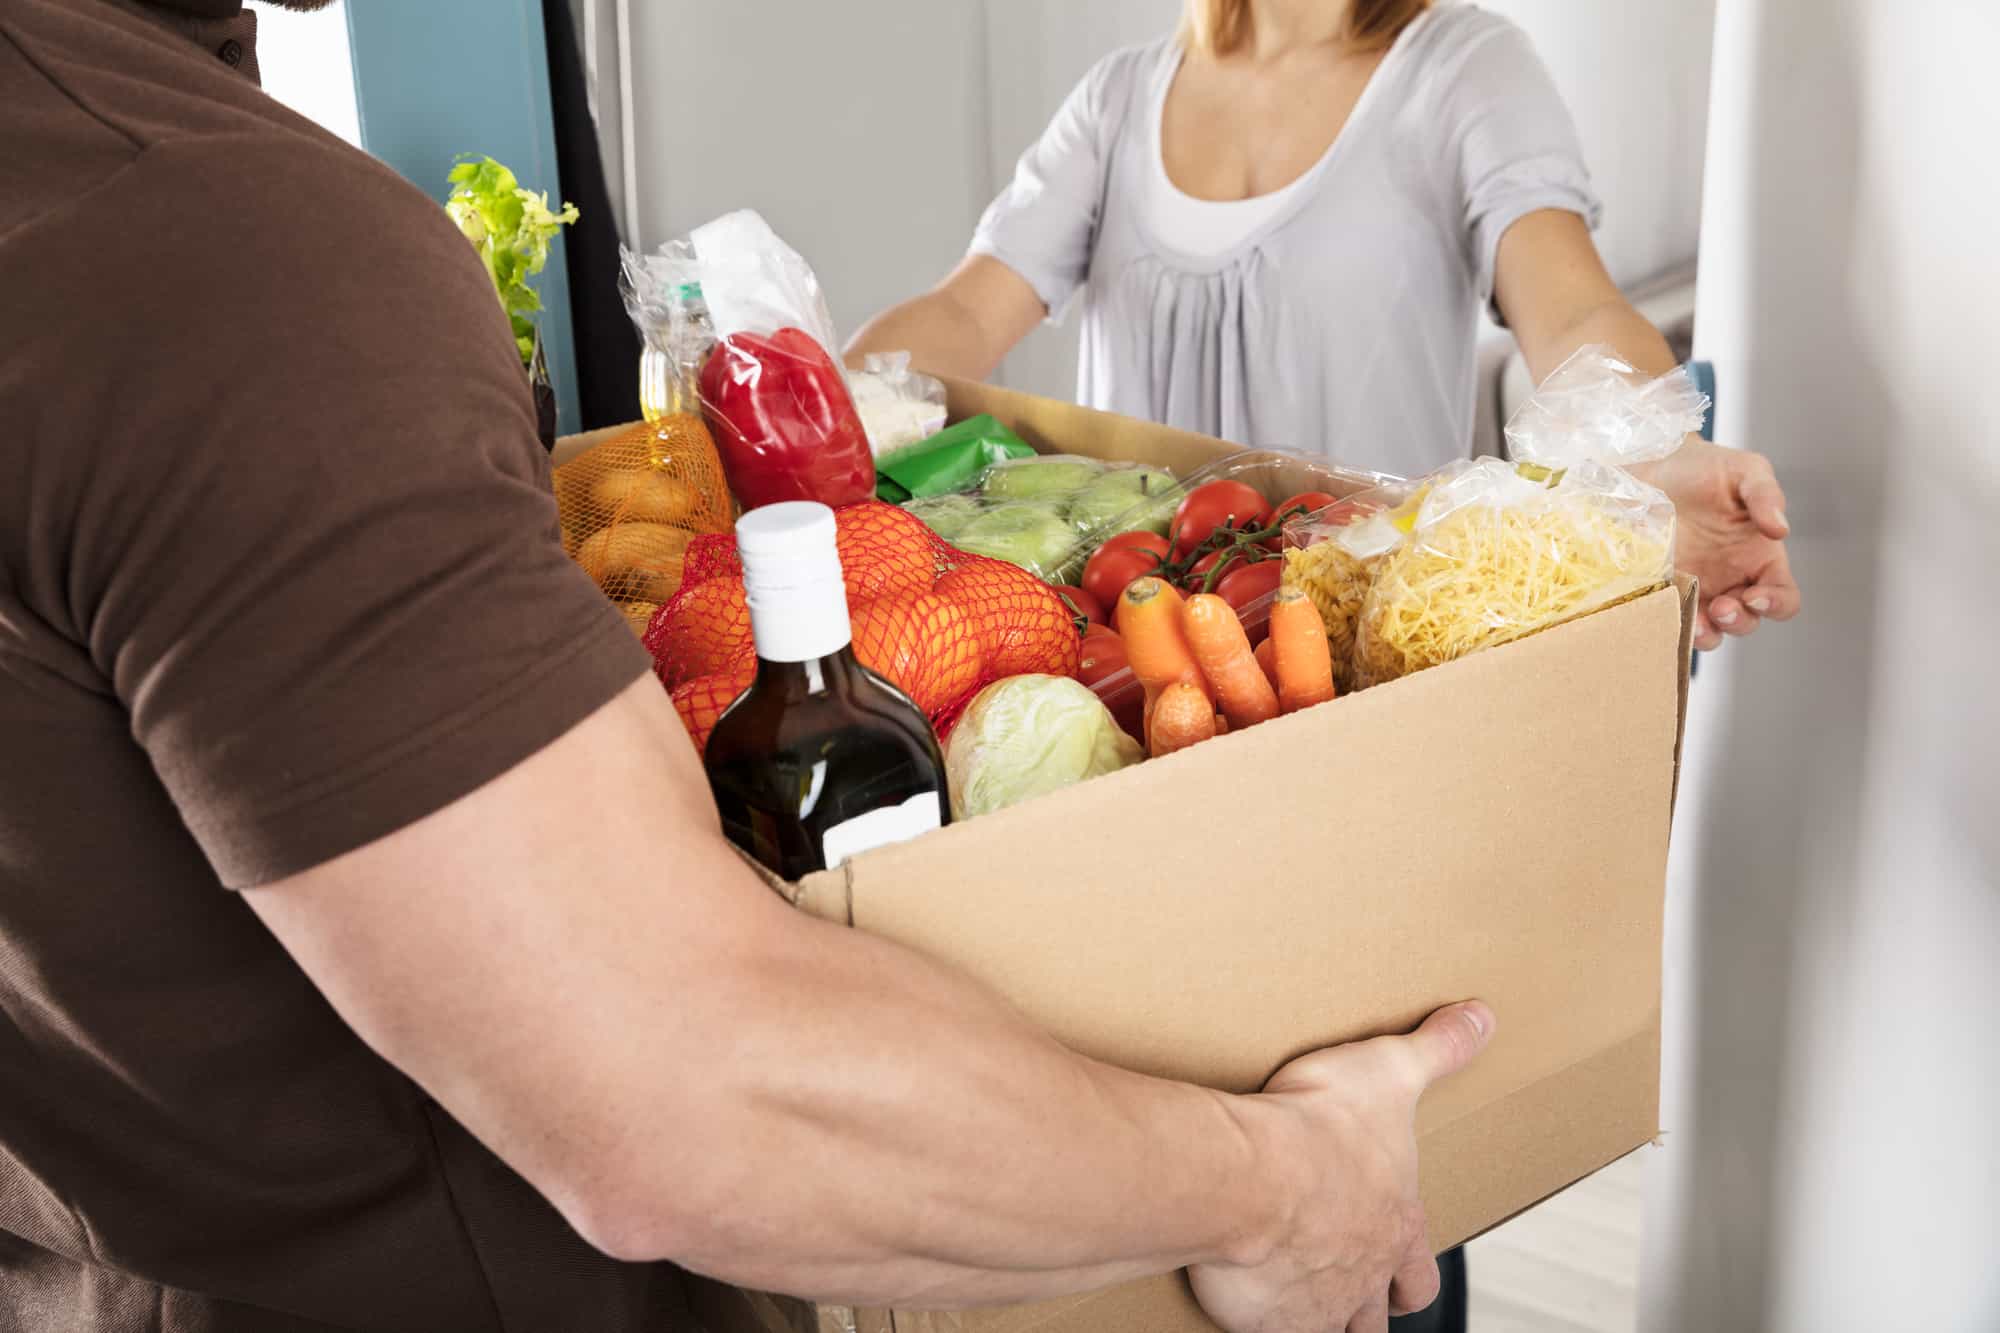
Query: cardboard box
[1495,827]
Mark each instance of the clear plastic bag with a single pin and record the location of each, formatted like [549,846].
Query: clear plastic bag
[1332,555]
[899,406]
[663,295]
[1596,407]
[736,315]
[1496,551]
[1047,513]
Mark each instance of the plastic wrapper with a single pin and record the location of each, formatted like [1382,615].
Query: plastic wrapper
[1332,555]
[937,622]
[631,506]
[1278,476]
[1497,551]
[898,406]
[1047,513]
[662,293]
[742,321]
[953,459]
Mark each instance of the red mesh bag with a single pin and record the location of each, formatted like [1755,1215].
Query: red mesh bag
[939,623]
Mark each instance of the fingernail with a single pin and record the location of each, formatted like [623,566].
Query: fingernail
[1723,617]
[1784,524]
[1477,1017]
[1758,604]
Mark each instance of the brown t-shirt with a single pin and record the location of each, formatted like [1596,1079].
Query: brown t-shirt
[279,575]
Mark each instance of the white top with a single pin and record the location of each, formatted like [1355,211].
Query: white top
[1344,320]
[1209,227]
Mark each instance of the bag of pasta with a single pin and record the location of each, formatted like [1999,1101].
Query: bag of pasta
[1331,555]
[1498,550]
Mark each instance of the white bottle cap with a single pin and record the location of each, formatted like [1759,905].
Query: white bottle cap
[791,575]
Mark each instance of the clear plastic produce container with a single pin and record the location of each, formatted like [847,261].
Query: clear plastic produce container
[1273,473]
[1048,513]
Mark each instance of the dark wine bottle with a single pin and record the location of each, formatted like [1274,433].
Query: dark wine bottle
[820,759]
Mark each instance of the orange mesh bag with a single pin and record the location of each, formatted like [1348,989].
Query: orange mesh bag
[631,505]
[938,623]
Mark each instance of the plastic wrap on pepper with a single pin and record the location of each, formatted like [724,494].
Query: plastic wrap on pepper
[784,422]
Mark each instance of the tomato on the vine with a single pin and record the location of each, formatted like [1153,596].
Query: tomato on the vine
[1139,541]
[1305,502]
[1083,602]
[1214,505]
[1197,573]
[1103,656]
[1107,573]
[1240,587]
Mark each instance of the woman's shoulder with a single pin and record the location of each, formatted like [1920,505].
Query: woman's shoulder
[1131,68]
[1454,35]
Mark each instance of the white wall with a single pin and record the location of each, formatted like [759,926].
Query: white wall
[1832,1163]
[1635,77]
[872,134]
[307,63]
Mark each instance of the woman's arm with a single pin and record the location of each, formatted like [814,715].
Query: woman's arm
[1552,289]
[964,326]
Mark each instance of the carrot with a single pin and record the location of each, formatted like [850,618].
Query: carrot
[1303,659]
[1268,662]
[1222,651]
[1149,620]
[1182,717]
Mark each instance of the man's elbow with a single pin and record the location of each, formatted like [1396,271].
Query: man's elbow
[628,1220]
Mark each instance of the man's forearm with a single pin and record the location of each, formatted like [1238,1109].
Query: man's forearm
[580,969]
[915,1141]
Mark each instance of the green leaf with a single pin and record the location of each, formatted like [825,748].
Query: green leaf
[511,228]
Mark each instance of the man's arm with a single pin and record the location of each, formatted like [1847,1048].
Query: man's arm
[1552,287]
[965,326]
[575,963]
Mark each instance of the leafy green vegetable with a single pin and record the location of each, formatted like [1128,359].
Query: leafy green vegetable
[511,227]
[1026,736]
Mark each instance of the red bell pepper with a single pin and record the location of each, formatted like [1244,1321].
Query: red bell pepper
[784,422]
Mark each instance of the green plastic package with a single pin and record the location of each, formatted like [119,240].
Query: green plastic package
[952,460]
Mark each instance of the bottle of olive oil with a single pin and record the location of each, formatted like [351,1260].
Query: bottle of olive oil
[820,759]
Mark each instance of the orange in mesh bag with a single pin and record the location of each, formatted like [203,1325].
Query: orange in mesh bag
[631,506]
[939,623]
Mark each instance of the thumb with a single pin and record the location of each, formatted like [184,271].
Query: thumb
[1448,1040]
[1764,500]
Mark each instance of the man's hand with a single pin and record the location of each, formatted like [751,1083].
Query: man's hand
[1731,536]
[1356,1251]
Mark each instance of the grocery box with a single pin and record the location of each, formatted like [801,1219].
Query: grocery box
[1495,827]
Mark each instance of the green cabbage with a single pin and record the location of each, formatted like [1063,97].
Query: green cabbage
[1026,736]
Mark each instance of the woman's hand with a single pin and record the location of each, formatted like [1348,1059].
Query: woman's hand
[1731,536]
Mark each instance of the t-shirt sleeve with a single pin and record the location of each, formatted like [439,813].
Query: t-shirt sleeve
[1512,142]
[1044,223]
[318,560]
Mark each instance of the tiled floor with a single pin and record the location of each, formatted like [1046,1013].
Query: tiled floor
[1569,1266]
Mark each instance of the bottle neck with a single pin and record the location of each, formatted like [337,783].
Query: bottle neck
[801,622]
[803,680]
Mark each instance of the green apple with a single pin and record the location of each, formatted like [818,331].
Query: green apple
[1123,491]
[1034,478]
[946,515]
[1033,536]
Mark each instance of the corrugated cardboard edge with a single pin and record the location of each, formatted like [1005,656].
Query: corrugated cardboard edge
[1690,591]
